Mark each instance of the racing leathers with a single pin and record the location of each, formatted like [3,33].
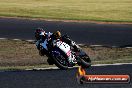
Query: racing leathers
[44,37]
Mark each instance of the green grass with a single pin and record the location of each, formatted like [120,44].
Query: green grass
[92,10]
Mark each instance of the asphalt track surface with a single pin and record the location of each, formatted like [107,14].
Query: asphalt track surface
[61,78]
[87,33]
[84,33]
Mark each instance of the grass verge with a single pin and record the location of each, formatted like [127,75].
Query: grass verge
[20,55]
[92,10]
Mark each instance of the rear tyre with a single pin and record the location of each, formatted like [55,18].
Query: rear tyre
[60,62]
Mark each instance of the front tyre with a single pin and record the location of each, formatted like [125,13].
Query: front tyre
[85,61]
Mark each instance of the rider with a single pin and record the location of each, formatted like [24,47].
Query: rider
[56,35]
[40,36]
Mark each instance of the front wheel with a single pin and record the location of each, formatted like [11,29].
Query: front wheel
[84,61]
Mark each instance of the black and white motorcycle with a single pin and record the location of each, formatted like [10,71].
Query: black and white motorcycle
[63,55]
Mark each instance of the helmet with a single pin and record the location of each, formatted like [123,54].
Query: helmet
[38,32]
[39,29]
[57,34]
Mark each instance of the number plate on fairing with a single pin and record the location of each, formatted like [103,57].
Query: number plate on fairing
[64,47]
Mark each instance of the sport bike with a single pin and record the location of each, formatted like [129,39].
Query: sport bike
[63,55]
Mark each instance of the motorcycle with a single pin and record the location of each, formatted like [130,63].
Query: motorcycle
[63,55]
